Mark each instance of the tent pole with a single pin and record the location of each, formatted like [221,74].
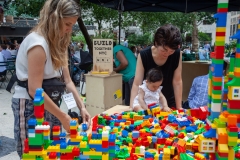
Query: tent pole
[119,27]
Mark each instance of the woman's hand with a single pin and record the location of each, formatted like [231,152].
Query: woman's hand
[86,116]
[65,120]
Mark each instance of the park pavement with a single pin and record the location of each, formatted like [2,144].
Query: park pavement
[7,145]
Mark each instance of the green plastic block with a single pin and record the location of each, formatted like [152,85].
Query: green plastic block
[222,5]
[217,83]
[232,134]
[217,100]
[76,158]
[217,61]
[37,140]
[217,92]
[27,156]
[38,104]
[136,123]
[39,158]
[232,144]
[233,111]
[95,157]
[219,123]
[219,43]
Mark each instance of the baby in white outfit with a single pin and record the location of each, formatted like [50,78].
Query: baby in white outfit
[150,92]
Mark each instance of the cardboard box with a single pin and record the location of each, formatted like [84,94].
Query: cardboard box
[103,92]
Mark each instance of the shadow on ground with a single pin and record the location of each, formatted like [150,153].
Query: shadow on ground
[7,146]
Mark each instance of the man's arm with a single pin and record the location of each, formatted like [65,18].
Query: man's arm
[177,84]
[123,61]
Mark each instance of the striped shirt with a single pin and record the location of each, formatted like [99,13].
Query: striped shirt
[198,95]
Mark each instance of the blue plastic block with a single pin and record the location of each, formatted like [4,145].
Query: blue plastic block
[83,134]
[83,157]
[148,155]
[135,134]
[154,139]
[32,122]
[63,145]
[39,91]
[73,123]
[73,143]
[162,134]
[94,135]
[112,138]
[191,128]
[124,133]
[62,134]
[184,123]
[84,127]
[221,19]
[31,130]
[210,133]
[147,117]
[171,118]
[214,115]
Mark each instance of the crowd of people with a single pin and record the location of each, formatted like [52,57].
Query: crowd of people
[7,51]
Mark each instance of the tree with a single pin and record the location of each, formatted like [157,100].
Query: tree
[98,14]
[33,7]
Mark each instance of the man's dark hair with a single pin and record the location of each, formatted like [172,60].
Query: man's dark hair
[154,75]
[3,46]
[168,35]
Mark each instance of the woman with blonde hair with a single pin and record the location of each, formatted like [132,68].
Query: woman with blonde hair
[43,56]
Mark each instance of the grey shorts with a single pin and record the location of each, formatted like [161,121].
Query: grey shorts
[23,110]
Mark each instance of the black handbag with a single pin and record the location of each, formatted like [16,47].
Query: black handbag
[53,87]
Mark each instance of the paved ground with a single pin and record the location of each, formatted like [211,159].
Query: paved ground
[7,150]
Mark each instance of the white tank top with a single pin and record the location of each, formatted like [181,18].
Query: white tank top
[32,40]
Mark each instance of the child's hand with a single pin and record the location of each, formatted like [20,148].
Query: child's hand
[167,109]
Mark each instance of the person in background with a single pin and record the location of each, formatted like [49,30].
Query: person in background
[207,47]
[1,14]
[164,54]
[3,70]
[44,55]
[187,50]
[198,95]
[125,44]
[6,53]
[125,63]
[233,52]
[150,92]
[13,50]
[134,50]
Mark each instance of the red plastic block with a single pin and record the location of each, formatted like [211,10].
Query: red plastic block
[104,144]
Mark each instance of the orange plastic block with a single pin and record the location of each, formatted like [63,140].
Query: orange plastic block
[181,142]
[222,138]
[232,120]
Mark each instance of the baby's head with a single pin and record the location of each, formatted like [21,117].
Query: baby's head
[154,79]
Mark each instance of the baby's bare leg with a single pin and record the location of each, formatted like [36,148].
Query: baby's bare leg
[137,108]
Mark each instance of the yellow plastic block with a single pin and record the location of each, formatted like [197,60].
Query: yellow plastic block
[53,149]
[156,126]
[164,114]
[125,117]
[156,157]
[104,138]
[166,152]
[149,139]
[105,156]
[231,154]
[115,130]
[95,141]
[155,130]
[83,144]
[220,38]
[37,153]
[92,153]
[221,29]
[232,139]
[223,148]
[77,139]
[73,127]
[199,156]
[216,96]
[188,146]
[222,118]
[172,150]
